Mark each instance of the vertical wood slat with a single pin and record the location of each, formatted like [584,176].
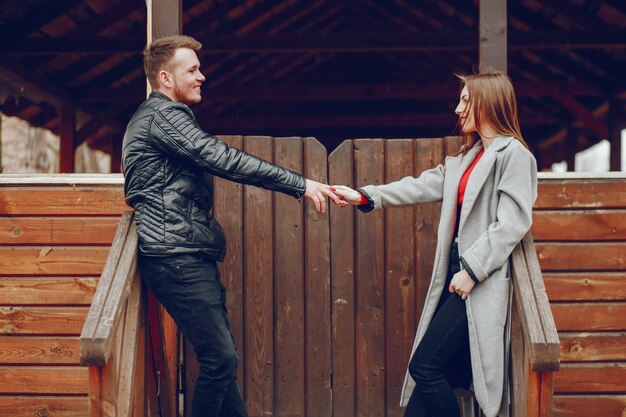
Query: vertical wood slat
[228,208]
[259,272]
[400,276]
[289,292]
[341,163]
[317,284]
[428,153]
[370,286]
[157,359]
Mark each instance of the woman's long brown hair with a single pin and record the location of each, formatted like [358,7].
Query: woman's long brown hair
[492,98]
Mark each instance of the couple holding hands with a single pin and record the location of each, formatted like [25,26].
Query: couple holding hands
[487,190]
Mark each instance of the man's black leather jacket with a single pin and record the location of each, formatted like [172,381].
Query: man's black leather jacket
[169,163]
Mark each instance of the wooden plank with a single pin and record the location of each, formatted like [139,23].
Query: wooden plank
[48,380]
[228,208]
[111,294]
[42,320]
[400,277]
[289,336]
[57,231]
[549,362]
[19,406]
[581,194]
[602,256]
[428,153]
[48,260]
[589,405]
[95,391]
[317,290]
[370,289]
[47,350]
[259,270]
[586,286]
[170,348]
[130,352]
[139,404]
[590,347]
[529,314]
[340,169]
[62,201]
[603,378]
[590,316]
[157,358]
[546,380]
[593,225]
[520,368]
[47,290]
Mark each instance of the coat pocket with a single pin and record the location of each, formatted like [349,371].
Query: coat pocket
[499,297]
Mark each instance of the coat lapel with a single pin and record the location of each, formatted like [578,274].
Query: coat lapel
[480,173]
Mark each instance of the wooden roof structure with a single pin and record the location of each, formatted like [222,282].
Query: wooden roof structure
[330,69]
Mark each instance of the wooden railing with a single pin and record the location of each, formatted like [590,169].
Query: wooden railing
[112,343]
[534,338]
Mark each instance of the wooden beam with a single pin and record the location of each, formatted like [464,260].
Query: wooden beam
[225,124]
[582,113]
[66,150]
[493,36]
[410,42]
[37,17]
[20,81]
[340,92]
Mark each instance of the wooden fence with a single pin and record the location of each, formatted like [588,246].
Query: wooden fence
[55,234]
[323,306]
[580,230]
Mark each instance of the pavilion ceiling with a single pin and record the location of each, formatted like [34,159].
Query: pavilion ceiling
[324,68]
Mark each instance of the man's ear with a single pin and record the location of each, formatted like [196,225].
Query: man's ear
[165,79]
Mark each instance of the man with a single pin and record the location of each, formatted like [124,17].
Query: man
[169,163]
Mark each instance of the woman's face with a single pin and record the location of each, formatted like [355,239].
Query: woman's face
[465,113]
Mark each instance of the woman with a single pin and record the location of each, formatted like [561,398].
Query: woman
[487,191]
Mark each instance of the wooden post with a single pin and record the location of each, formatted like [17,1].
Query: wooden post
[493,39]
[616,124]
[165,18]
[67,131]
[116,152]
[571,147]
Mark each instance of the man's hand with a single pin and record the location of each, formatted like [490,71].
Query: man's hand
[317,192]
[461,284]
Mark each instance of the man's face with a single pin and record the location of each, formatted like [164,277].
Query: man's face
[186,77]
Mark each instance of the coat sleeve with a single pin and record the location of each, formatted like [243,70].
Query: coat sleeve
[517,192]
[177,132]
[426,188]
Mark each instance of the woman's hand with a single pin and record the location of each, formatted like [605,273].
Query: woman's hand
[347,194]
[317,193]
[461,284]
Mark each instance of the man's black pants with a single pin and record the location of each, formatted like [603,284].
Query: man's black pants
[189,288]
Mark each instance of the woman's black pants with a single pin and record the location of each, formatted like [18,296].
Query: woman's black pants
[441,361]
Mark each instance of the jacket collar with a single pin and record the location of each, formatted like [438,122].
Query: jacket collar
[159,95]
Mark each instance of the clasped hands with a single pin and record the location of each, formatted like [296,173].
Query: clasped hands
[339,194]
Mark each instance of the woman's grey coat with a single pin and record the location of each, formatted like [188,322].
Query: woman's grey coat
[496,214]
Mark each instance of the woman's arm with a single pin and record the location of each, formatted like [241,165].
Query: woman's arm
[426,188]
